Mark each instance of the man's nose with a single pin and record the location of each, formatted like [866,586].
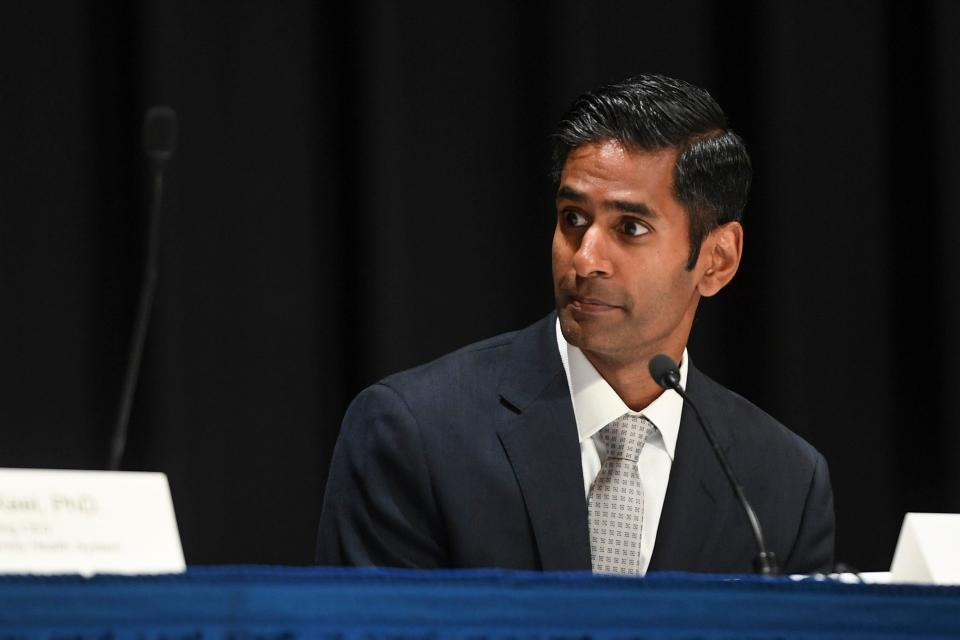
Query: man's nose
[590,259]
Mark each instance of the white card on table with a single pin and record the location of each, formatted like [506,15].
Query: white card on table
[86,522]
[928,549]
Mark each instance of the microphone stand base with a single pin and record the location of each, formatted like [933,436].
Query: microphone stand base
[765,564]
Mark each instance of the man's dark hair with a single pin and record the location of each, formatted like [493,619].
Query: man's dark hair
[651,112]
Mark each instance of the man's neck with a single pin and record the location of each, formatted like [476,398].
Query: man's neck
[630,379]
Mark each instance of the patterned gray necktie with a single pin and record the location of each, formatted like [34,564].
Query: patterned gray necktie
[616,498]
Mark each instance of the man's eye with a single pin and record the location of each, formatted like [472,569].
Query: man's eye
[634,228]
[574,219]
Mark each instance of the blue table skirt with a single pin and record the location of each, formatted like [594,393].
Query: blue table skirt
[285,603]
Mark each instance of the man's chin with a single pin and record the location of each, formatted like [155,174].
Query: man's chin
[581,330]
[591,333]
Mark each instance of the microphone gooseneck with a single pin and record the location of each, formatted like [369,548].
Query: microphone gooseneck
[666,374]
[159,141]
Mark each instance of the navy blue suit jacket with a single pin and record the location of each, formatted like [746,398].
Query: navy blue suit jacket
[473,460]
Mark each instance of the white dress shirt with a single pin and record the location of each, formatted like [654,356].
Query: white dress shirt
[595,405]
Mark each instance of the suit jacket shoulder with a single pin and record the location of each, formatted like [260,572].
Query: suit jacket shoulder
[437,385]
[741,421]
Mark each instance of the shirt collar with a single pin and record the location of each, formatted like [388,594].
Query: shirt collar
[596,404]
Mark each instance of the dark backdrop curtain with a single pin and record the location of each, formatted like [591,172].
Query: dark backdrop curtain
[360,187]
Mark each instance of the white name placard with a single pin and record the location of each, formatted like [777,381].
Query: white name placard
[87,522]
[928,549]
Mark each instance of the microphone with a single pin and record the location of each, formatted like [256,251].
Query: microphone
[159,141]
[666,374]
[160,133]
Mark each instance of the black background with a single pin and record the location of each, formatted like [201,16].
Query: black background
[360,187]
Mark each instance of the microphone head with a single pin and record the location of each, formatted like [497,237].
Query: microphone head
[665,371]
[160,132]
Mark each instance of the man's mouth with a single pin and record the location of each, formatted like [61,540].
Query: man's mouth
[591,305]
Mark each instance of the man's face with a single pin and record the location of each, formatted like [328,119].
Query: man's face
[619,255]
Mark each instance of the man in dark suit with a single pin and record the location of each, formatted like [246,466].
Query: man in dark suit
[552,447]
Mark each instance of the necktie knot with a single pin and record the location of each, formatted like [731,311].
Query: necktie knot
[624,437]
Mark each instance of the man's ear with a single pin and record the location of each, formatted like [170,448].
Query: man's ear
[719,258]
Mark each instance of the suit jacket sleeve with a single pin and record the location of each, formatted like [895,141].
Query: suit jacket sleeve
[378,507]
[813,550]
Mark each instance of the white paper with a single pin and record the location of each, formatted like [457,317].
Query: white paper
[928,550]
[87,522]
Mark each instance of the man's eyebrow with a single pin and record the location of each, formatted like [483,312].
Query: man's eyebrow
[569,193]
[638,208]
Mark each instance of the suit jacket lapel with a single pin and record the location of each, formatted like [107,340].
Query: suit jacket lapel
[698,502]
[540,439]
